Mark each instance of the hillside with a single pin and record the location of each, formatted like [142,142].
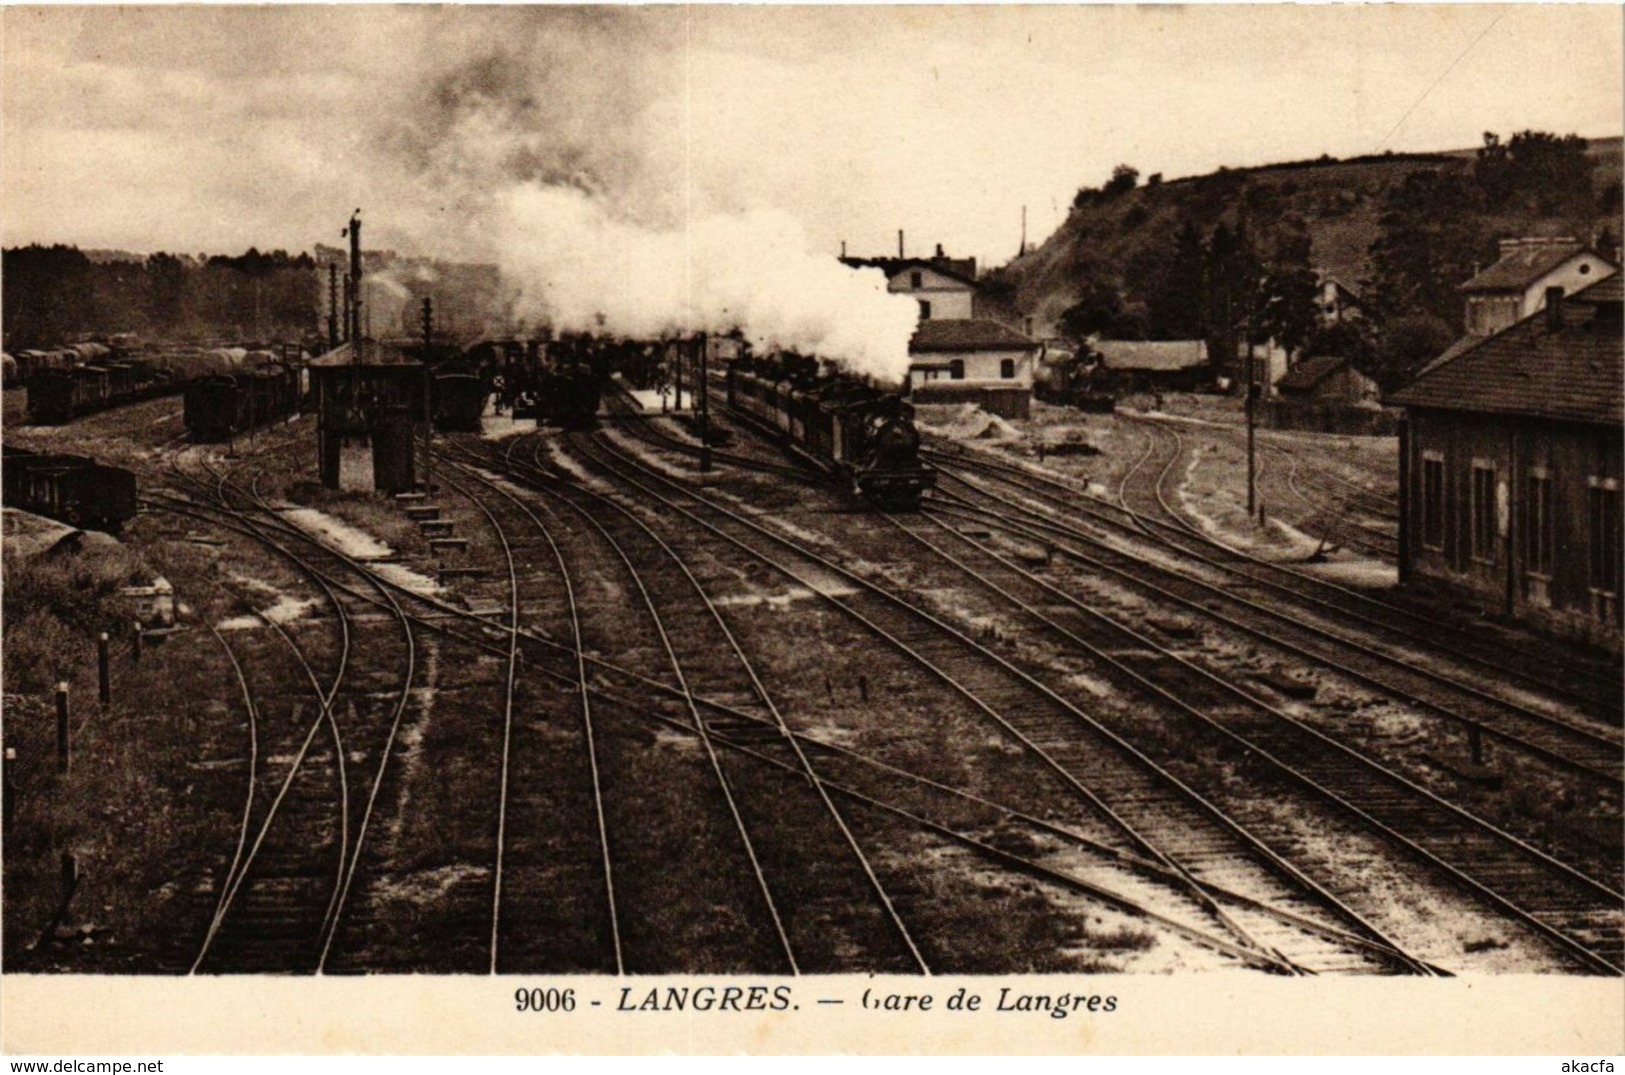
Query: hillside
[1338,204]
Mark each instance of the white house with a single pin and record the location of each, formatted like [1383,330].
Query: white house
[1516,285]
[944,287]
[1337,301]
[964,360]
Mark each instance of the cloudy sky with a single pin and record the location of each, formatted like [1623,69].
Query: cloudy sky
[215,128]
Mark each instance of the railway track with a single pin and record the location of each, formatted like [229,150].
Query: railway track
[1340,517]
[274,902]
[553,886]
[1596,690]
[1574,910]
[1065,740]
[830,912]
[436,623]
[273,860]
[1569,744]
[1358,618]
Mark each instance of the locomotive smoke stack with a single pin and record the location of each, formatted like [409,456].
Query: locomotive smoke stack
[900,254]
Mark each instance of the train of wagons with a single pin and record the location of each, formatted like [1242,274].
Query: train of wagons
[861,435]
[227,390]
[73,489]
[221,405]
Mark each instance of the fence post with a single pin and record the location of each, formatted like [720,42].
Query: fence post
[8,789]
[62,726]
[104,677]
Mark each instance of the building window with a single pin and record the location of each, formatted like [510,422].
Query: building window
[1484,511]
[925,310]
[914,281]
[1007,368]
[956,370]
[1538,524]
[1433,501]
[1602,510]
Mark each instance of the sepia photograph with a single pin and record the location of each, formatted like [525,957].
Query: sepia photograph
[663,505]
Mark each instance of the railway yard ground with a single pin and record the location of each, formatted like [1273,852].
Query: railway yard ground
[579,707]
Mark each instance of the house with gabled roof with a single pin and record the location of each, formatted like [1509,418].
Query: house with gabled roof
[1510,467]
[1326,379]
[972,360]
[1515,286]
[944,287]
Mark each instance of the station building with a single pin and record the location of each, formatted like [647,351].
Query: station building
[969,360]
[1510,468]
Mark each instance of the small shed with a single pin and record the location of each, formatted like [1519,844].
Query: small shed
[1155,365]
[1327,379]
[371,403]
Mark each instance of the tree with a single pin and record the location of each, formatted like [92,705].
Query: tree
[1535,170]
[1171,279]
[1231,289]
[1429,242]
[1406,345]
[1552,174]
[1124,178]
[1352,339]
[1095,313]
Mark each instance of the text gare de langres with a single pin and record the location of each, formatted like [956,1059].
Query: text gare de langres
[759,998]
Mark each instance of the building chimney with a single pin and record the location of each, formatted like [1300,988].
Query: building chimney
[1554,308]
[940,254]
[843,248]
[900,254]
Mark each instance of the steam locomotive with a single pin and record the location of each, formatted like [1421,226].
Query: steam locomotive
[863,436]
[1072,380]
[70,488]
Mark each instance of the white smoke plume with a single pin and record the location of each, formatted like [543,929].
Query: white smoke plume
[556,148]
[580,268]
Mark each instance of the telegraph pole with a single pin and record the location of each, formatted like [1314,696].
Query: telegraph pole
[704,407]
[1252,397]
[428,392]
[354,232]
[332,305]
[677,355]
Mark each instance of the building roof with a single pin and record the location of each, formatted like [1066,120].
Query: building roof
[961,269]
[1451,352]
[1609,290]
[938,334]
[373,354]
[1573,372]
[1523,263]
[1351,290]
[1152,354]
[1310,372]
